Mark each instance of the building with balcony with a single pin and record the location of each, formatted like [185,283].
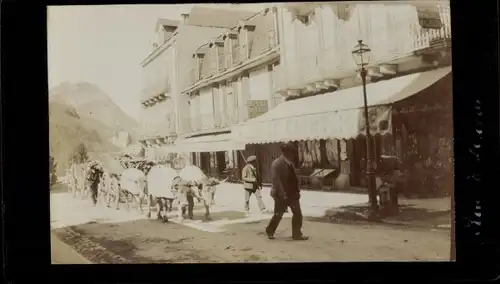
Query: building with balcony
[231,81]
[165,73]
[408,86]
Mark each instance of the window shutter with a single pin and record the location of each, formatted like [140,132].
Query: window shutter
[236,49]
[243,44]
[213,59]
[200,66]
[220,57]
[230,104]
[227,52]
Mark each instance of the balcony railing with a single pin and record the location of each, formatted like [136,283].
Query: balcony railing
[157,128]
[231,118]
[403,39]
[287,78]
[200,122]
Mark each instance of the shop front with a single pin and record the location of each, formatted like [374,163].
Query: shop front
[329,129]
[214,153]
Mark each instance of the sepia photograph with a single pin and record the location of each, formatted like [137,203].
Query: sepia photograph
[232,133]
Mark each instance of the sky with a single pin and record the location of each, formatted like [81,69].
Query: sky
[104,45]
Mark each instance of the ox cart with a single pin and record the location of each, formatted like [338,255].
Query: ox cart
[124,178]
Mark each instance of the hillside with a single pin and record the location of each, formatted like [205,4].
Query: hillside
[83,113]
[90,101]
[67,129]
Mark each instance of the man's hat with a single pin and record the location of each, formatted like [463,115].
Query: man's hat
[251,159]
[288,147]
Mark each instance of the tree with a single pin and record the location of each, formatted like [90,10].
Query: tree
[52,170]
[80,154]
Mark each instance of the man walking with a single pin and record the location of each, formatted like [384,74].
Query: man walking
[251,184]
[185,197]
[285,192]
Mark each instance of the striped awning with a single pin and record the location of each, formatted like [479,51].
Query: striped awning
[335,115]
[210,143]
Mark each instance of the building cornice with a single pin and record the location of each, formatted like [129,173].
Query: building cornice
[159,50]
[203,132]
[269,55]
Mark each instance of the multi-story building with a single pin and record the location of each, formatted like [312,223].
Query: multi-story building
[165,73]
[410,56]
[232,80]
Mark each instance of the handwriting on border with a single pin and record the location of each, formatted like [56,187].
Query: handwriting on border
[474,221]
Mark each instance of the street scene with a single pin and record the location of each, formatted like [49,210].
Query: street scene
[294,132]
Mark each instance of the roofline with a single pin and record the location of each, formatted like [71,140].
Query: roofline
[156,52]
[270,55]
[233,28]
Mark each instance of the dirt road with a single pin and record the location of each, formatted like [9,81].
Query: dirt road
[150,241]
[61,253]
[106,235]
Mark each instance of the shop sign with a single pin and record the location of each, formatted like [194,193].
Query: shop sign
[257,108]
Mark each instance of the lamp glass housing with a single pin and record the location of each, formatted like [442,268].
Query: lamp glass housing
[361,54]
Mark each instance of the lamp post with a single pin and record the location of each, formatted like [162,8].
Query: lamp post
[361,55]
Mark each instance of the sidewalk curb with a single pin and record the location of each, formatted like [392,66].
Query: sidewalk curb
[345,215]
[86,242]
[56,240]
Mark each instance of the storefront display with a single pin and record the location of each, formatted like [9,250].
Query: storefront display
[332,151]
[343,150]
[309,154]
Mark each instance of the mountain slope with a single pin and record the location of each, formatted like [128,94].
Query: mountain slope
[91,102]
[67,130]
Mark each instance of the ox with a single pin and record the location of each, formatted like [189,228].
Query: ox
[133,184]
[160,187]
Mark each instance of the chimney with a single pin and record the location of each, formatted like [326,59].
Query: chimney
[185,17]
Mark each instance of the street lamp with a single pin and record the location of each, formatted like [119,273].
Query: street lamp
[361,55]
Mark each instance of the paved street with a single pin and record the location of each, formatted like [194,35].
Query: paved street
[121,236]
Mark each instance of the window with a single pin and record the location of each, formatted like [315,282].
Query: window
[200,65]
[243,45]
[213,59]
[230,104]
[343,11]
[429,17]
[235,46]
[220,57]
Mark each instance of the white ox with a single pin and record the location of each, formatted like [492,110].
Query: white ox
[160,181]
[133,183]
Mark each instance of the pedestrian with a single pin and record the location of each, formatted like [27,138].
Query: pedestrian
[252,185]
[285,192]
[94,175]
[185,196]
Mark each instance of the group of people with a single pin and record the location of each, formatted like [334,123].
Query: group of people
[284,191]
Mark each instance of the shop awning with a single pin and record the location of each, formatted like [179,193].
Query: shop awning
[170,148]
[335,115]
[210,143]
